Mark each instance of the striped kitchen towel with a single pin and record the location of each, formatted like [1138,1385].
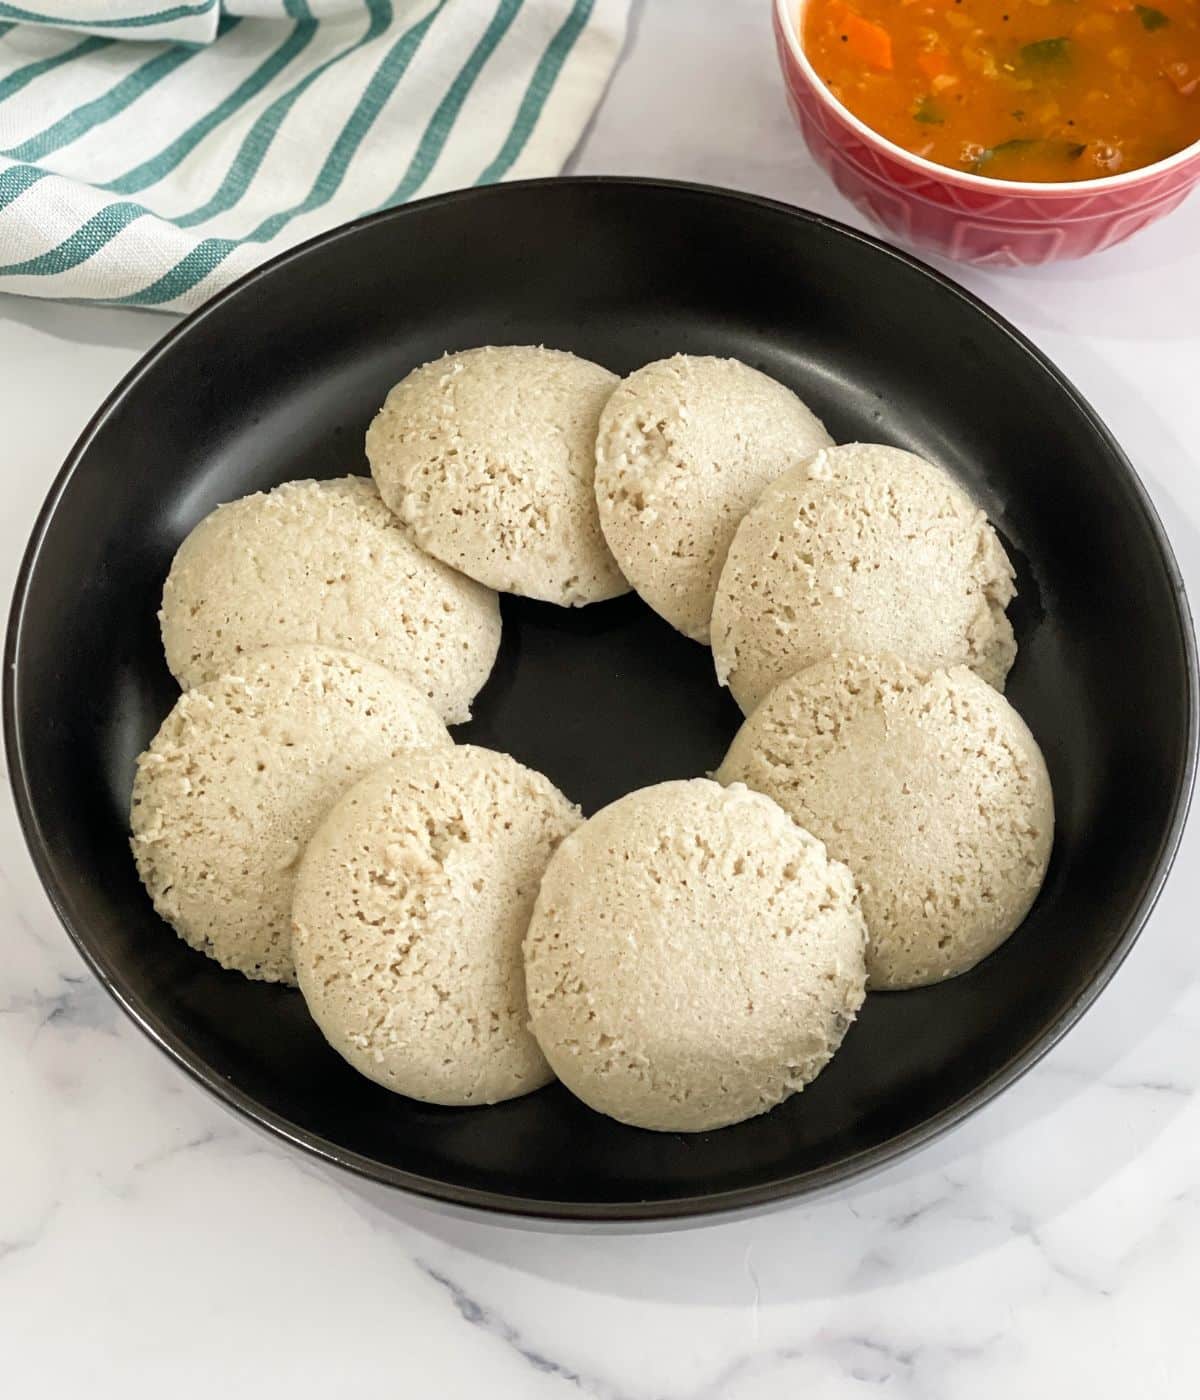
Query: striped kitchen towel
[153,173]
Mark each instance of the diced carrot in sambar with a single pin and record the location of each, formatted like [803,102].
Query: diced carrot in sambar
[868,41]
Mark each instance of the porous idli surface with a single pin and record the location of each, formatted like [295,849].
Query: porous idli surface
[862,548]
[237,779]
[928,785]
[685,448]
[411,904]
[488,456]
[694,957]
[326,562]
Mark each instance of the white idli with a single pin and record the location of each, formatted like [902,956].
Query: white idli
[411,904]
[929,786]
[238,777]
[685,447]
[694,957]
[863,548]
[326,562]
[489,457]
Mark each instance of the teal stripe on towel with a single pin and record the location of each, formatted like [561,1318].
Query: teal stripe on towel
[167,16]
[85,242]
[109,104]
[23,76]
[441,124]
[209,255]
[158,167]
[541,85]
[16,180]
[257,141]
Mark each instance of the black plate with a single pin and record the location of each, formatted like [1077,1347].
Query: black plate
[279,377]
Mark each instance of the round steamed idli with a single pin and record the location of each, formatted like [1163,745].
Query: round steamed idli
[694,957]
[489,458]
[411,904]
[238,777]
[326,562]
[928,785]
[863,548]
[685,447]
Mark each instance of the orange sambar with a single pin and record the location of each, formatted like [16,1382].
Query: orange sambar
[1016,89]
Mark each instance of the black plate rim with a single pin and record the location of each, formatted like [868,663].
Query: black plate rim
[499,1205]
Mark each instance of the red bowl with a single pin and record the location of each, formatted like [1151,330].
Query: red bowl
[969,217]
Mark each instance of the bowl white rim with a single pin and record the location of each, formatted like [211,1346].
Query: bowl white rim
[788,14]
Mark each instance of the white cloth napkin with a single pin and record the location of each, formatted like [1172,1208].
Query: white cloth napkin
[153,150]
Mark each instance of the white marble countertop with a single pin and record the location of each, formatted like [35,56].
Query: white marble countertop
[150,1244]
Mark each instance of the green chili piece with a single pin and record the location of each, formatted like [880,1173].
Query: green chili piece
[1045,54]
